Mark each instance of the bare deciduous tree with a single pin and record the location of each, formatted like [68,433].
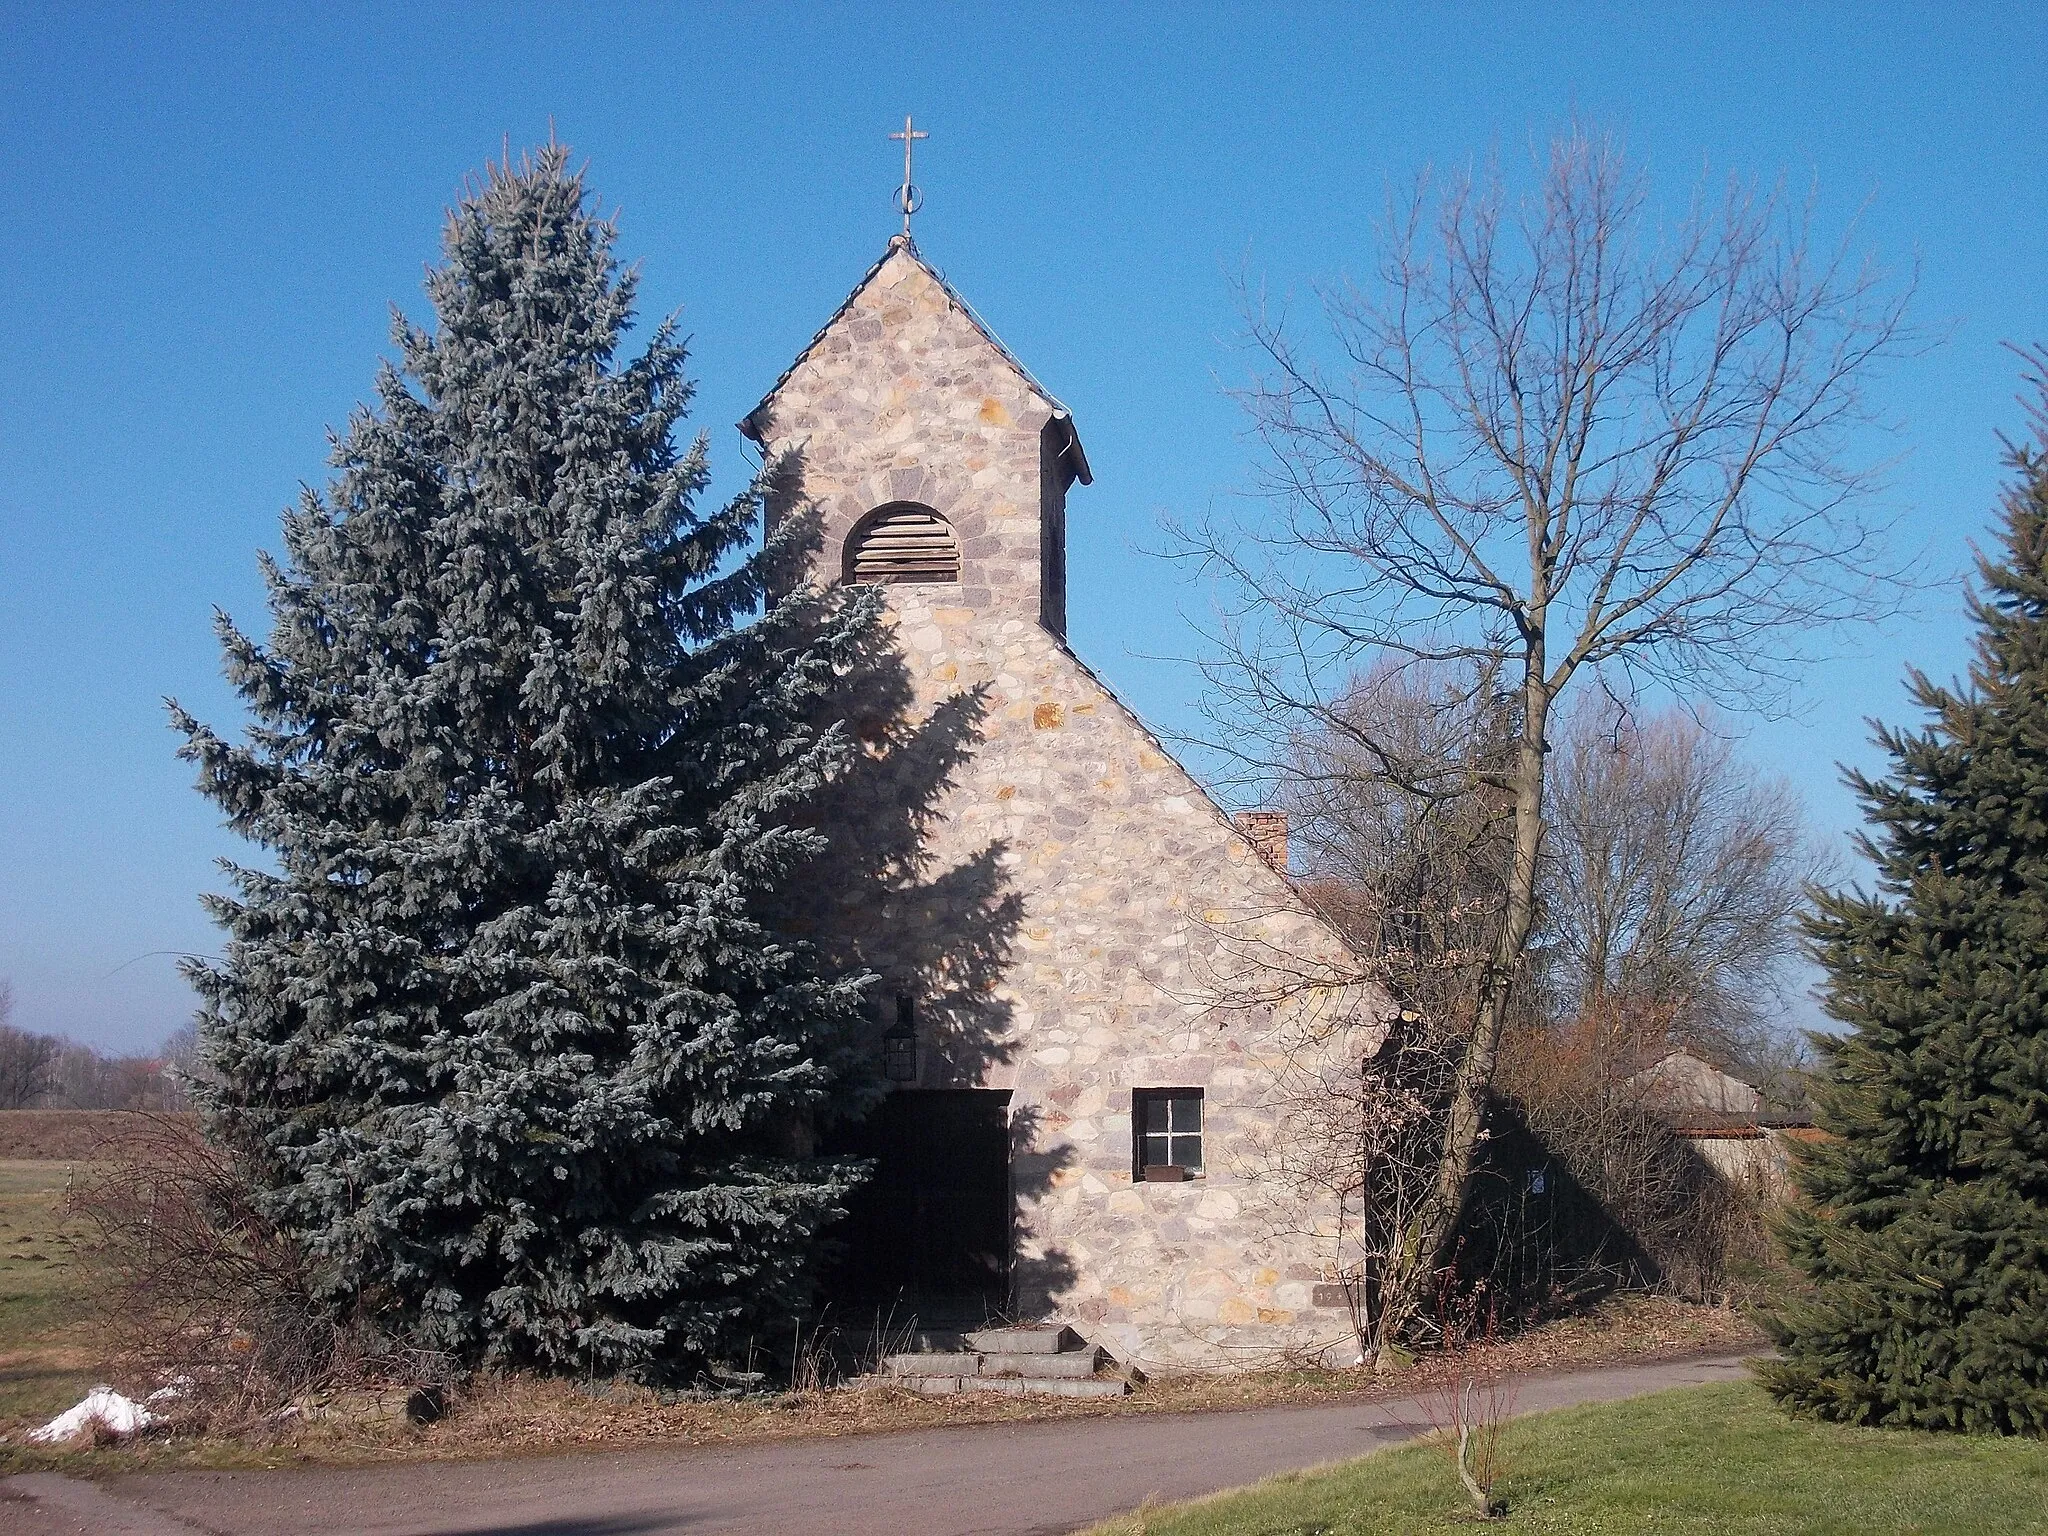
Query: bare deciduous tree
[1407,851]
[50,1072]
[1672,878]
[1559,439]
[27,1061]
[81,1077]
[1669,883]
[1413,877]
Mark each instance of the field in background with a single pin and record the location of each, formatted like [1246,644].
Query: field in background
[1702,1461]
[62,1135]
[47,1352]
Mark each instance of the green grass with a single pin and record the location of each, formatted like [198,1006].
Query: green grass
[1719,1460]
[46,1353]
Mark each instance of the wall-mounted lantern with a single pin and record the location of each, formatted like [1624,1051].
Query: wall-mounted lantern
[899,1045]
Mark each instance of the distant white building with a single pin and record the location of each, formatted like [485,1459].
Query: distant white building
[1681,1081]
[1723,1117]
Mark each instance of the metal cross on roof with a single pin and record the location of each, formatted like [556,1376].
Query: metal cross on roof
[908,198]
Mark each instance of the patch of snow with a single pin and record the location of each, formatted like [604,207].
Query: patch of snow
[102,1406]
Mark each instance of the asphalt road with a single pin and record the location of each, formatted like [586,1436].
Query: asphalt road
[984,1480]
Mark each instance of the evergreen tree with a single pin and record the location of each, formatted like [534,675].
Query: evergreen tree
[1925,1233]
[507,1028]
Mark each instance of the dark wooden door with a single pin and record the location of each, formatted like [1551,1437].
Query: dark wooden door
[930,1229]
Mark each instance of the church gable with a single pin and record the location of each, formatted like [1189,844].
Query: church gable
[905,399]
[1105,1019]
[1124,997]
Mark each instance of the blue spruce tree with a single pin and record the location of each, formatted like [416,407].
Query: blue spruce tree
[508,1030]
[1925,1229]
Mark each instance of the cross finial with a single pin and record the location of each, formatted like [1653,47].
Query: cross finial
[908,198]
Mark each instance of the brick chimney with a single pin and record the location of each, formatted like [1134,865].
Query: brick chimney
[1266,831]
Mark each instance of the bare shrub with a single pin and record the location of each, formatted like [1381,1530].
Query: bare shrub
[1581,1090]
[1471,1411]
[1472,1403]
[1752,1270]
[197,1290]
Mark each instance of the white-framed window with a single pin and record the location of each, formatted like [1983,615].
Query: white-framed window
[1166,1124]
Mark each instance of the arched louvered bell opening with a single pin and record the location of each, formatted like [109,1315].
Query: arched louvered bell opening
[903,542]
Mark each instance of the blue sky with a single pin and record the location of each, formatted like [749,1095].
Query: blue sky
[210,211]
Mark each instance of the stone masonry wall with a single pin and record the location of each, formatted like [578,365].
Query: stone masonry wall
[1134,893]
[903,399]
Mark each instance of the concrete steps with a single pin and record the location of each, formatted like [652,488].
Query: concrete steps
[1045,1339]
[1050,1359]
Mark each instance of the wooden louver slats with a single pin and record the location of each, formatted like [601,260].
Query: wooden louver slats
[904,544]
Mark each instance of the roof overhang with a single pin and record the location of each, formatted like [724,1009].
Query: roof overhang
[1072,456]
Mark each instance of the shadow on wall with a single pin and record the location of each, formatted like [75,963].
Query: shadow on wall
[1533,1236]
[931,1232]
[1040,1276]
[940,940]
[1547,1238]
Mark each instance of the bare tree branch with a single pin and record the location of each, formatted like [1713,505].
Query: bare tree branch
[1553,438]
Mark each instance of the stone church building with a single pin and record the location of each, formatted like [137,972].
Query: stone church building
[1086,993]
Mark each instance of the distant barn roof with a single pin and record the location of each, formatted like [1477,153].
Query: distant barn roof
[1070,446]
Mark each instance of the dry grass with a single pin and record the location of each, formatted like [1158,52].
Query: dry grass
[65,1135]
[48,1351]
[524,1415]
